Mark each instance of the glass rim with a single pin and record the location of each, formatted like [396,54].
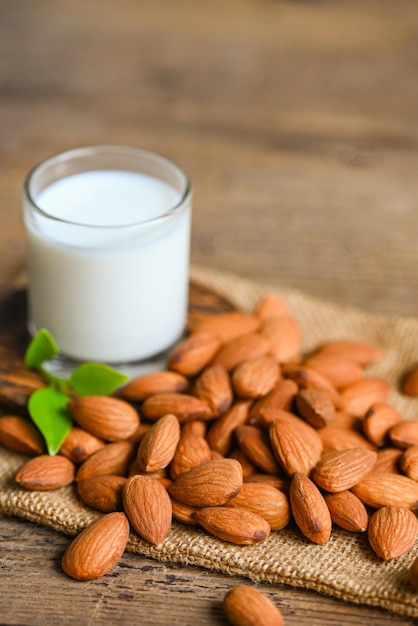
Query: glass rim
[116,149]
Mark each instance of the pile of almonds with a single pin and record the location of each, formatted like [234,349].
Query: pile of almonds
[240,436]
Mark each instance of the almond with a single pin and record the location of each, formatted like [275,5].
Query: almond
[378,420]
[103,493]
[148,507]
[45,473]
[336,438]
[315,407]
[184,513]
[283,336]
[184,406]
[247,606]
[360,352]
[192,354]
[388,460]
[220,434]
[380,489]
[104,417]
[408,462]
[195,427]
[358,397]
[114,458]
[228,326]
[347,511]
[97,549]
[239,455]
[209,484]
[392,531]
[307,377]
[256,377]
[80,444]
[158,446]
[213,386]
[279,482]
[410,383]
[279,398]
[340,371]
[342,469]
[264,500]
[404,434]
[243,348]
[309,509]
[296,444]
[234,525]
[257,447]
[20,435]
[141,387]
[270,305]
[192,450]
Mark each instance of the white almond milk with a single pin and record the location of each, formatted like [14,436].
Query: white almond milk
[111,281]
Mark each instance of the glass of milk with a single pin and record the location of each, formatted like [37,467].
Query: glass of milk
[108,234]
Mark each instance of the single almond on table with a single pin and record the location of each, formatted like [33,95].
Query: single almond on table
[283,335]
[264,500]
[213,385]
[392,531]
[296,444]
[141,387]
[111,419]
[80,444]
[191,450]
[45,473]
[340,371]
[103,493]
[378,420]
[209,484]
[98,548]
[192,354]
[309,509]
[315,407]
[20,435]
[228,326]
[220,434]
[114,458]
[256,377]
[342,469]
[380,489]
[184,406]
[243,348]
[404,434]
[158,446]
[360,352]
[347,511]
[257,446]
[232,524]
[358,397]
[247,606]
[148,507]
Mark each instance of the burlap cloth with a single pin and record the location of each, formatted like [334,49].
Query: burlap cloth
[345,567]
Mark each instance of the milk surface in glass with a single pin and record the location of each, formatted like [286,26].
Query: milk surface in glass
[110,281]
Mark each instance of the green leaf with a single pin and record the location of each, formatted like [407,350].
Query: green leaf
[48,409]
[42,348]
[96,379]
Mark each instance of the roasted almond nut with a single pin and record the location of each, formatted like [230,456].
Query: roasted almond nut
[141,387]
[409,384]
[342,469]
[148,507]
[360,352]
[184,406]
[307,377]
[264,500]
[388,460]
[256,377]
[20,435]
[208,484]
[279,398]
[392,531]
[192,354]
[347,511]
[97,549]
[408,462]
[234,525]
[103,493]
[183,512]
[158,446]
[283,336]
[192,450]
[340,371]
[256,445]
[243,348]
[296,444]
[45,473]
[247,606]
[228,326]
[315,407]
[213,386]
[380,489]
[309,509]
[404,434]
[220,434]
[114,458]
[80,444]
[270,305]
[104,417]
[336,438]
[378,420]
[358,397]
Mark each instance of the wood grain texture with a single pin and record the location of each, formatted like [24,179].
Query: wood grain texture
[297,123]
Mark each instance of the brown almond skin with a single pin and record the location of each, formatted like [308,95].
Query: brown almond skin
[214,387]
[315,407]
[380,489]
[20,435]
[360,352]
[342,469]
[409,384]
[192,450]
[114,458]
[309,509]
[228,326]
[392,531]
[408,462]
[192,354]
[239,455]
[256,377]
[208,484]
[283,335]
[241,349]
[264,500]
[140,388]
[378,420]
[45,473]
[347,511]
[308,377]
[296,444]
[247,606]
[357,398]
[220,434]
[80,444]
[281,397]
[404,434]
[158,446]
[256,445]
[103,493]
[183,512]
[388,461]
[336,438]
[340,371]
[111,419]
[148,507]
[184,406]
[233,524]
[98,548]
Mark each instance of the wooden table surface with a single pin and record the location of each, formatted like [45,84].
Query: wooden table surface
[297,123]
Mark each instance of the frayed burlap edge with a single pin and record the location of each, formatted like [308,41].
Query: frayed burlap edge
[345,567]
